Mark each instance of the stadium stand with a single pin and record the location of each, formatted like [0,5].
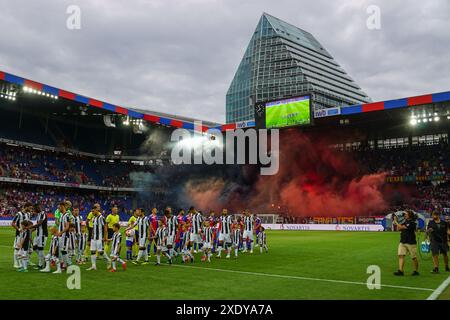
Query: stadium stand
[13,196]
[26,163]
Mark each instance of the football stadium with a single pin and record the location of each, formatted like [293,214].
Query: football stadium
[90,187]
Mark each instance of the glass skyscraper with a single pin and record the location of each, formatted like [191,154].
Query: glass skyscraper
[282,61]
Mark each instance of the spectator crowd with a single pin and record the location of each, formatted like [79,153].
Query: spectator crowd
[32,164]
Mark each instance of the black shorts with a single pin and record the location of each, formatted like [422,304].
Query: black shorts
[438,248]
[89,234]
[136,236]
[110,233]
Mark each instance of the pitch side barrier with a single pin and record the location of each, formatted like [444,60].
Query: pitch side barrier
[324,227]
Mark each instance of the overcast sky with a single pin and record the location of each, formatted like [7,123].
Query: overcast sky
[179,56]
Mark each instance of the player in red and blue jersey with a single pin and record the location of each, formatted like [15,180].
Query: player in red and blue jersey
[179,237]
[213,224]
[153,218]
[257,226]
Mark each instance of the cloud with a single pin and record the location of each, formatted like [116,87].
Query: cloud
[179,56]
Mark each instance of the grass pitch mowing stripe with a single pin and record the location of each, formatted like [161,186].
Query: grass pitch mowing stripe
[302,278]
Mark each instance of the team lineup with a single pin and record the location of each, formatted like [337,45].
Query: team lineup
[174,236]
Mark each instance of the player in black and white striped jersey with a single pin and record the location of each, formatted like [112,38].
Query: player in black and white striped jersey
[99,234]
[236,237]
[144,228]
[71,243]
[161,243]
[196,229]
[262,240]
[24,214]
[82,243]
[172,228]
[24,245]
[184,245]
[53,253]
[248,231]
[63,233]
[116,245]
[40,239]
[225,222]
[77,221]
[208,240]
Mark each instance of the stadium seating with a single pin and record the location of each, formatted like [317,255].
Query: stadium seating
[25,163]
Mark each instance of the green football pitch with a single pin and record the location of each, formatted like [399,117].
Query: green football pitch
[276,115]
[299,265]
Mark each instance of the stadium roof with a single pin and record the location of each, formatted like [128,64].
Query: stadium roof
[188,123]
[397,103]
[150,116]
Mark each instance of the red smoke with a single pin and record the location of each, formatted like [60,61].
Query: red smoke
[205,193]
[313,180]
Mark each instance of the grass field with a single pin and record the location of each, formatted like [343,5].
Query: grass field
[294,113]
[299,265]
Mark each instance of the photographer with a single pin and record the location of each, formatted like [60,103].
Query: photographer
[408,243]
[437,230]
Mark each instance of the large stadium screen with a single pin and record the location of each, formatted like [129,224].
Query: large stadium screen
[288,112]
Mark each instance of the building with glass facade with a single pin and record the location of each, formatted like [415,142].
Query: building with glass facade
[282,61]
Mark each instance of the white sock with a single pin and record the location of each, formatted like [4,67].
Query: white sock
[106,257]
[219,250]
[16,257]
[25,263]
[158,258]
[236,252]
[114,265]
[41,257]
[64,259]
[140,254]
[47,263]
[58,265]
[94,260]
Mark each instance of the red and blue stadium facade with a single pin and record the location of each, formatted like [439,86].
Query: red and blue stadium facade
[178,122]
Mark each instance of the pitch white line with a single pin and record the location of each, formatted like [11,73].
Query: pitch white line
[300,278]
[436,293]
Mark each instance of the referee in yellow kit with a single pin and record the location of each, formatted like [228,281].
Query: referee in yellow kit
[111,220]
